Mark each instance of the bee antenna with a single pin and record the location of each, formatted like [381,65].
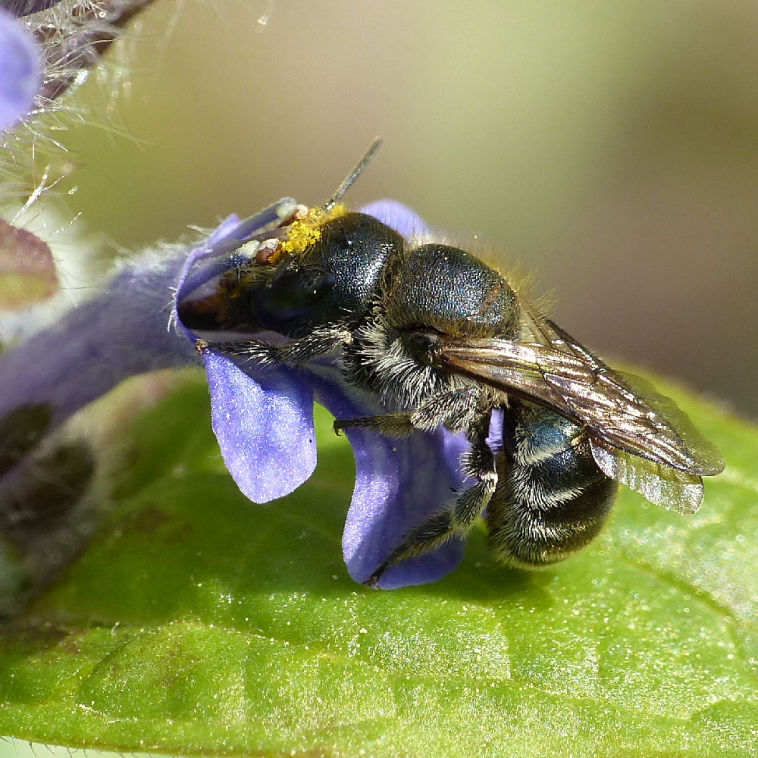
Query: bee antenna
[347,182]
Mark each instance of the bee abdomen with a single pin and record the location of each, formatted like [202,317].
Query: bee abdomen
[552,498]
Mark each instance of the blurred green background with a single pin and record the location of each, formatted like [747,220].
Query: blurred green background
[612,147]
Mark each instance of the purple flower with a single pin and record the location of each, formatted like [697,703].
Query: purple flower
[20,70]
[262,415]
[44,54]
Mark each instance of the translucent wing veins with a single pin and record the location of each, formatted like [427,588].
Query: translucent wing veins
[623,412]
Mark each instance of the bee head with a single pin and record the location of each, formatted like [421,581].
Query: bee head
[331,273]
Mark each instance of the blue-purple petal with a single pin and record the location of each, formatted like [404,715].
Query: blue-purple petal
[401,218]
[399,483]
[264,427]
[262,417]
[264,424]
[495,436]
[20,70]
[121,332]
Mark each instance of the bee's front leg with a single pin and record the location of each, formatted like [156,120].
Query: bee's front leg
[319,341]
[479,463]
[296,352]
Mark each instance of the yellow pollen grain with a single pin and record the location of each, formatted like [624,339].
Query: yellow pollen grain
[306,231]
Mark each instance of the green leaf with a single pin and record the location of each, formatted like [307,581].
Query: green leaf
[199,622]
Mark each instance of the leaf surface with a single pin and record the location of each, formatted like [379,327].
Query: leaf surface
[197,622]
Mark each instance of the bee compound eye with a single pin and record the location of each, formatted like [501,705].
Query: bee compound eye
[290,298]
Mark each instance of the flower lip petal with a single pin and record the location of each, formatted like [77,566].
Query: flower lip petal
[399,483]
[264,427]
[20,70]
[262,416]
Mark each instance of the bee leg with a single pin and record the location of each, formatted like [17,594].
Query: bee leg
[319,341]
[294,353]
[390,424]
[249,350]
[454,410]
[478,463]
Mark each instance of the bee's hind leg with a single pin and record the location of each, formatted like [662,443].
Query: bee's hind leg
[479,463]
[454,410]
[389,424]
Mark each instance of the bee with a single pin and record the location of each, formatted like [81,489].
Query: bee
[441,339]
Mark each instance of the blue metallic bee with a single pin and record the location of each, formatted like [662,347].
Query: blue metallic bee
[441,339]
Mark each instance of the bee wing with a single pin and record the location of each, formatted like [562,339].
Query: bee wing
[656,482]
[660,482]
[640,436]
